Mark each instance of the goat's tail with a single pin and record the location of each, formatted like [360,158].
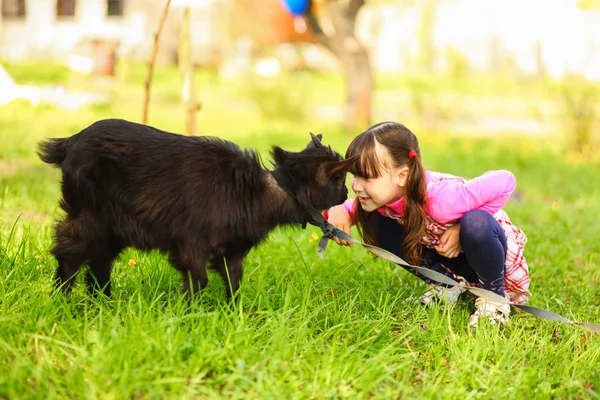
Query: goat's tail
[54,151]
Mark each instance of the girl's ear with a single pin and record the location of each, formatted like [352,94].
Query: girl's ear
[402,176]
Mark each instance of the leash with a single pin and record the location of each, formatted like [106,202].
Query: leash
[330,232]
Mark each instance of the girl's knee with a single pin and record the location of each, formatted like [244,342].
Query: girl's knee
[476,225]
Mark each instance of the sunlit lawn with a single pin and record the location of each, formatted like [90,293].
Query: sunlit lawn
[342,326]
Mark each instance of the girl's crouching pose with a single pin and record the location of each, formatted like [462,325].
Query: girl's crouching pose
[451,225]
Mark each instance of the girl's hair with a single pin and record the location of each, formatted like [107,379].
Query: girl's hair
[399,142]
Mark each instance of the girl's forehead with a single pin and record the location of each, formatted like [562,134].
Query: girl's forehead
[383,155]
[375,161]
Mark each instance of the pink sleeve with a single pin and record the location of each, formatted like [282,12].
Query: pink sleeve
[451,199]
[350,206]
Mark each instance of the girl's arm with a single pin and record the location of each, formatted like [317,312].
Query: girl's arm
[350,206]
[451,199]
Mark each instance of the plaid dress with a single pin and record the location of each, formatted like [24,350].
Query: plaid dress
[516,273]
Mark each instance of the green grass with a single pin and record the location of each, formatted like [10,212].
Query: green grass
[342,326]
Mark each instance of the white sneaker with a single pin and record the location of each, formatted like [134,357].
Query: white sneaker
[496,312]
[445,295]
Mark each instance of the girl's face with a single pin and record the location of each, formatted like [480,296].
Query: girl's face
[388,187]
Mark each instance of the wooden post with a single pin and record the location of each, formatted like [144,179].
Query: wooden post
[353,56]
[186,73]
[163,17]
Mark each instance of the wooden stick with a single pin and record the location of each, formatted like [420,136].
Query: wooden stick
[186,73]
[163,17]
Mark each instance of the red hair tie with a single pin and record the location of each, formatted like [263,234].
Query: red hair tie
[412,154]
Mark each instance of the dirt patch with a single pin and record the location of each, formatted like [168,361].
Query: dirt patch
[10,168]
[33,216]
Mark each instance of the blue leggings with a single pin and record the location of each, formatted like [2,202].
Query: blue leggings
[484,249]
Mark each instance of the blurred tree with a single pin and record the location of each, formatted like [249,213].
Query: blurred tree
[427,13]
[152,60]
[186,74]
[579,98]
[354,58]
[185,64]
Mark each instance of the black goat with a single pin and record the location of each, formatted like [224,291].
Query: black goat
[199,199]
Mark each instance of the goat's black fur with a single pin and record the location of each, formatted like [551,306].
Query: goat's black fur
[199,199]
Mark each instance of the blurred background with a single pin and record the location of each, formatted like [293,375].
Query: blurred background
[229,67]
[484,84]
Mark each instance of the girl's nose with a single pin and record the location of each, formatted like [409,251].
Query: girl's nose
[357,184]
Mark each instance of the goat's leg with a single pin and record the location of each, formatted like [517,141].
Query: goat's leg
[193,270]
[100,266]
[69,251]
[231,270]
[68,265]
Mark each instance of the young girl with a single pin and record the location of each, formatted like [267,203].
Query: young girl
[435,220]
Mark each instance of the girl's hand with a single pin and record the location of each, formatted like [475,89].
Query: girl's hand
[339,217]
[449,246]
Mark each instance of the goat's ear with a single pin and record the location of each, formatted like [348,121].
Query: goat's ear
[279,155]
[336,166]
[315,141]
